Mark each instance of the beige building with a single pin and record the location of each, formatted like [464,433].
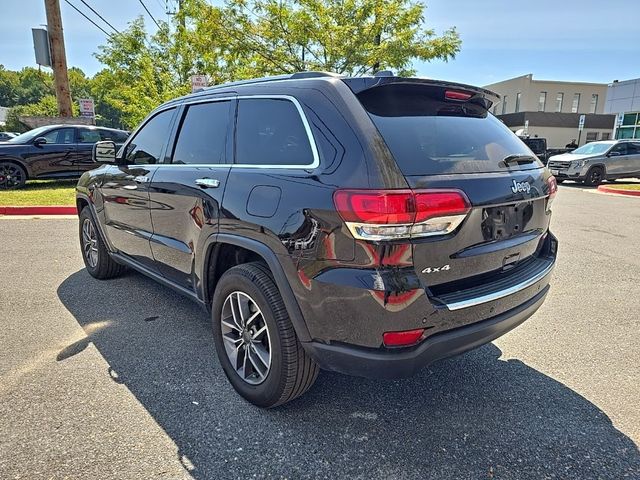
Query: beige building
[552,109]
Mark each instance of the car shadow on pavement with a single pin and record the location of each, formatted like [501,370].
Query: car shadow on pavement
[473,416]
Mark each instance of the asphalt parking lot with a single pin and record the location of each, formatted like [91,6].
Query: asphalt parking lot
[118,379]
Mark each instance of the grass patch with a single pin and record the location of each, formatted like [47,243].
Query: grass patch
[41,192]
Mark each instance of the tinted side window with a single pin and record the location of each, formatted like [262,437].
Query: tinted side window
[86,135]
[115,136]
[621,148]
[146,146]
[203,134]
[271,132]
[633,149]
[60,136]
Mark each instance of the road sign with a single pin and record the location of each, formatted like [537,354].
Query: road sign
[526,127]
[620,119]
[87,108]
[581,122]
[41,46]
[199,82]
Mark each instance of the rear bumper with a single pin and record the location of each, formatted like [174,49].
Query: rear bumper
[398,363]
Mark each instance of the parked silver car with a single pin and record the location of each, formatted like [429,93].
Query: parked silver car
[598,161]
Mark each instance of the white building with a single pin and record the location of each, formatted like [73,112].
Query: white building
[552,109]
[623,100]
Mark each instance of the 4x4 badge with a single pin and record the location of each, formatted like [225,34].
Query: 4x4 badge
[436,269]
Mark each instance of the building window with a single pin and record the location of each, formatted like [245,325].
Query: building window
[592,136]
[542,100]
[594,103]
[626,132]
[559,99]
[605,136]
[575,105]
[504,104]
[518,96]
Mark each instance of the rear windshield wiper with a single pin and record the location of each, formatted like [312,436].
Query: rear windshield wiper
[518,158]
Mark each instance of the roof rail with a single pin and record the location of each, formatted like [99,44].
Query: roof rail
[312,74]
[274,78]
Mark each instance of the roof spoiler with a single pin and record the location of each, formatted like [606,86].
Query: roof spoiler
[478,95]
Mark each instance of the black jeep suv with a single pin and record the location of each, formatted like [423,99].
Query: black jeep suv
[368,226]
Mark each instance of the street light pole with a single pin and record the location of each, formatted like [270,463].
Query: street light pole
[58,57]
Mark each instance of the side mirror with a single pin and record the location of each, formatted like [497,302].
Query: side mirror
[104,152]
[39,141]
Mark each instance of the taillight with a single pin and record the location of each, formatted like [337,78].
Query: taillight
[553,188]
[395,214]
[457,95]
[402,339]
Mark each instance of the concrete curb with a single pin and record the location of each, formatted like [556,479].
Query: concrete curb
[39,210]
[619,191]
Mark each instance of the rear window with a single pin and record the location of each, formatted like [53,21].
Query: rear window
[430,136]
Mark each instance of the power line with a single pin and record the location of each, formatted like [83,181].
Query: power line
[152,18]
[101,17]
[82,13]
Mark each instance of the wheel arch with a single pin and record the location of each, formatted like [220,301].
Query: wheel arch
[20,163]
[599,165]
[82,201]
[214,245]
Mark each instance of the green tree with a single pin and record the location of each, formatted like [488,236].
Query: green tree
[47,106]
[138,75]
[9,82]
[33,86]
[249,38]
[353,37]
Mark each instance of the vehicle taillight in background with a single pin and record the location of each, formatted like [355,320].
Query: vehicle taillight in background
[379,215]
[553,188]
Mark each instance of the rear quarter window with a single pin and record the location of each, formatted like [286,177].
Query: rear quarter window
[428,135]
[270,131]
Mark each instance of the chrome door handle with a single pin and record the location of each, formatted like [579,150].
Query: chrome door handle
[141,179]
[208,182]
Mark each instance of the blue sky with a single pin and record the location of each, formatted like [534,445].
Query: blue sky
[575,40]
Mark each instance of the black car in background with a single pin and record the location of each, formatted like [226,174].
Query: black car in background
[53,151]
[538,146]
[4,136]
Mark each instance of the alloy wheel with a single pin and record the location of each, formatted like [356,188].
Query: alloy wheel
[246,337]
[11,176]
[90,243]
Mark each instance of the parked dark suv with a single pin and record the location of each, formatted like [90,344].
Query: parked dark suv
[54,151]
[368,226]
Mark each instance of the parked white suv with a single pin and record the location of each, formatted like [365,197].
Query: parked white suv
[598,161]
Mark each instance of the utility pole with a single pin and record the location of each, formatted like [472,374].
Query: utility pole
[58,57]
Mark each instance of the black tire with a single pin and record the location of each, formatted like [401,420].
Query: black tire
[595,176]
[291,372]
[12,176]
[559,180]
[102,266]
